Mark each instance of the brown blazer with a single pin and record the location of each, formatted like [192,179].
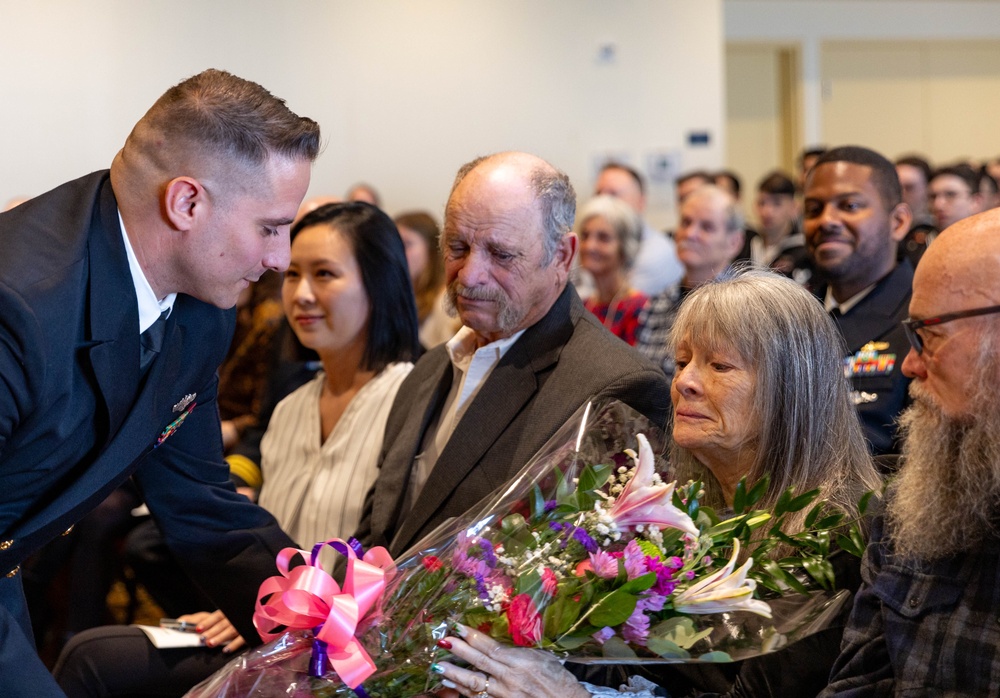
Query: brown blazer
[559,363]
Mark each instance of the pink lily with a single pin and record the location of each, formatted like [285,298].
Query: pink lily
[643,503]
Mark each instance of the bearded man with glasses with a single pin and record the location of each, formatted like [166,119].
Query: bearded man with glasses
[927,618]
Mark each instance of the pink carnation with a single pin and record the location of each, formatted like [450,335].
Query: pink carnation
[524,622]
[549,582]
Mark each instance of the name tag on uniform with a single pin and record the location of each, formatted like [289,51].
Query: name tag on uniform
[871,360]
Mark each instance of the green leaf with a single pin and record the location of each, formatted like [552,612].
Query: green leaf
[782,506]
[666,649]
[780,575]
[612,609]
[511,524]
[560,615]
[679,630]
[821,570]
[758,491]
[639,584]
[812,516]
[740,496]
[715,657]
[801,501]
[593,477]
[537,503]
[572,642]
[866,499]
[565,490]
[616,648]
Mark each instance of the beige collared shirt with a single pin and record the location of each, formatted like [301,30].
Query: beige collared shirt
[470,369]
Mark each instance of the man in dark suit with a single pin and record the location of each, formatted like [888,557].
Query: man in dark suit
[475,410]
[854,216]
[112,323]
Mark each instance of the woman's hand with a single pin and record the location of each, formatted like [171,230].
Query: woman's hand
[512,672]
[216,630]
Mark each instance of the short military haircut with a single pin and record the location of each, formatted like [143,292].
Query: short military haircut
[777,183]
[917,162]
[228,116]
[961,170]
[883,176]
[627,169]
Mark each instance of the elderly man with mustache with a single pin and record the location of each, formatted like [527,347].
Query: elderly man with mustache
[528,355]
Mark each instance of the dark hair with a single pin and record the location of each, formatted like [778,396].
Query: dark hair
[777,183]
[917,162]
[627,169]
[233,117]
[378,249]
[732,177]
[985,178]
[811,152]
[961,170]
[428,286]
[704,176]
[884,175]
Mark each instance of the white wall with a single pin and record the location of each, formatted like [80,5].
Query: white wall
[404,91]
[809,23]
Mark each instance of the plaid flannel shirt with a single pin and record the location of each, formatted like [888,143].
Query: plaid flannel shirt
[655,322]
[922,628]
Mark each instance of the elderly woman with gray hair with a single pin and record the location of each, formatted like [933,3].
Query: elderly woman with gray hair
[609,232]
[759,390]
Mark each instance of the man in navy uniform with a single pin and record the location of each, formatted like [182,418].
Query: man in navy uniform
[854,216]
[114,290]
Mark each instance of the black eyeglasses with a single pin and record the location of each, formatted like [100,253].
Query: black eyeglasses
[911,326]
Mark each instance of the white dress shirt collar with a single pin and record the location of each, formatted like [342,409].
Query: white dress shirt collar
[150,307]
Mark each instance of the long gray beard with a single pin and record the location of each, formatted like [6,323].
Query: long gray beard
[948,490]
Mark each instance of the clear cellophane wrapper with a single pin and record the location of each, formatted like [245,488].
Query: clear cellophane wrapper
[441,580]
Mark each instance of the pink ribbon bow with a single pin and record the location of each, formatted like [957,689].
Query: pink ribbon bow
[306,597]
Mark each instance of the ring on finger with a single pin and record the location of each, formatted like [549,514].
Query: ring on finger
[485,693]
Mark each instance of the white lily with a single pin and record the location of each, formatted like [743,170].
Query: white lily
[723,591]
[643,503]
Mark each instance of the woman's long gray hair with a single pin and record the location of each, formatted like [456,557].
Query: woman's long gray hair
[808,433]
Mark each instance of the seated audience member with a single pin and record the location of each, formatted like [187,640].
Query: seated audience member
[242,376]
[925,620]
[365,193]
[853,218]
[778,242]
[347,295]
[608,230]
[914,177]
[689,182]
[314,202]
[988,189]
[709,237]
[729,182]
[954,194]
[993,168]
[420,235]
[739,344]
[807,159]
[528,356]
[656,265]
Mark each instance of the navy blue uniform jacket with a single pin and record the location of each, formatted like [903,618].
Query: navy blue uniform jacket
[76,419]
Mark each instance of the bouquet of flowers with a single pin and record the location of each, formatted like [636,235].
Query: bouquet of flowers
[589,552]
